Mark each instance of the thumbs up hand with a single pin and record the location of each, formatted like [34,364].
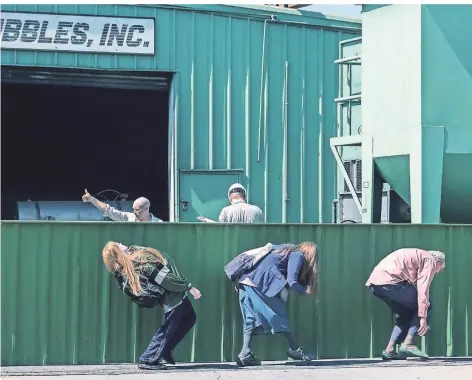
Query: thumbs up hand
[86,197]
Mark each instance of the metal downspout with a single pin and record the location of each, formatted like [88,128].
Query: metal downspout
[261,92]
[285,146]
[321,134]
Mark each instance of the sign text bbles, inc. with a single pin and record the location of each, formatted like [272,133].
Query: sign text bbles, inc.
[90,34]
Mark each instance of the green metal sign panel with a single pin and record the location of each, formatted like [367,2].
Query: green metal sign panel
[60,306]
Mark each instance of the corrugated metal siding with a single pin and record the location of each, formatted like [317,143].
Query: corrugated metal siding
[60,306]
[218,107]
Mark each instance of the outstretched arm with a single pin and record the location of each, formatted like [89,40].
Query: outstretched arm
[87,198]
[108,210]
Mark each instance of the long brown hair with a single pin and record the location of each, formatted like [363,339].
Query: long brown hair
[130,264]
[308,274]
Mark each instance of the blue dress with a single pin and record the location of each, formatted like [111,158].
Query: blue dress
[262,307]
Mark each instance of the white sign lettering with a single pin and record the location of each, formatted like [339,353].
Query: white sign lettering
[90,34]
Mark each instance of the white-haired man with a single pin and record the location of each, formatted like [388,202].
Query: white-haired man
[239,211]
[140,210]
[402,280]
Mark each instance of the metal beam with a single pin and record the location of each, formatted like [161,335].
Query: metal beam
[351,40]
[339,161]
[347,98]
[349,60]
[352,140]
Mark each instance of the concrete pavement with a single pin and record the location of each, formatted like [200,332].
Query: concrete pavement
[355,369]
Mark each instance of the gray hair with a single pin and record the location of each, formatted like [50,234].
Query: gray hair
[438,256]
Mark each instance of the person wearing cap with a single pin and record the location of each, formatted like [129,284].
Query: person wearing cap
[239,211]
[402,280]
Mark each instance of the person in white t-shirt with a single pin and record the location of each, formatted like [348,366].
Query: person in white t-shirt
[239,211]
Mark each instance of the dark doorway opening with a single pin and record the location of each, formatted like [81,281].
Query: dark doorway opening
[58,140]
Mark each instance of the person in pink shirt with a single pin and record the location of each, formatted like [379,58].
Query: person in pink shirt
[402,280]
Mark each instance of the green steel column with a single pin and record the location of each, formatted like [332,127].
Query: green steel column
[432,153]
[367,179]
[415,174]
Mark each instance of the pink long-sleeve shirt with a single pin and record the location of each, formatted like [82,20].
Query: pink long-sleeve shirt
[414,265]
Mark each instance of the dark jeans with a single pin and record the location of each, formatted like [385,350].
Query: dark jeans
[402,298]
[177,324]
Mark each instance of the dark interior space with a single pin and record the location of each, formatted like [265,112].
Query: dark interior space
[59,140]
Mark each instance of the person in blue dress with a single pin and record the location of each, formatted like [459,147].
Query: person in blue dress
[263,293]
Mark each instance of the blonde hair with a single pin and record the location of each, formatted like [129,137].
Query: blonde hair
[308,274]
[130,264]
[438,256]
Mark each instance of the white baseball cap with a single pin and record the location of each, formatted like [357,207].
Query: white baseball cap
[236,186]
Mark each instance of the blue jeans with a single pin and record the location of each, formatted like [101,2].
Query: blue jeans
[402,298]
[177,324]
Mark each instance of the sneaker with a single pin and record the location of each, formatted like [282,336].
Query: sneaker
[247,361]
[300,354]
[412,350]
[167,359]
[392,356]
[151,367]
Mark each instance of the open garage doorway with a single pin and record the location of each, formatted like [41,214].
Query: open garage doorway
[64,131]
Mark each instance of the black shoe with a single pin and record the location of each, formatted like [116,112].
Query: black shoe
[167,359]
[300,354]
[247,361]
[151,367]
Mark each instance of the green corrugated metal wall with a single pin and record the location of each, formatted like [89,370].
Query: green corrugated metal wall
[60,306]
[216,52]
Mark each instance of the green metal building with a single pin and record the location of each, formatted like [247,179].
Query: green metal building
[230,94]
[204,95]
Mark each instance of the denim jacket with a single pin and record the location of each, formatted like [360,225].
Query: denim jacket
[277,271]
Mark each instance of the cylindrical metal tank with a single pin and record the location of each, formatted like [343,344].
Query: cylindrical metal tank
[66,210]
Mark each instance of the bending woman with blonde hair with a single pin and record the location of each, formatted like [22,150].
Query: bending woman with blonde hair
[263,292]
[150,278]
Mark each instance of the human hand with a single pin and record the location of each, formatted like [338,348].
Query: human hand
[123,247]
[195,293]
[423,327]
[308,290]
[204,219]
[86,197]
